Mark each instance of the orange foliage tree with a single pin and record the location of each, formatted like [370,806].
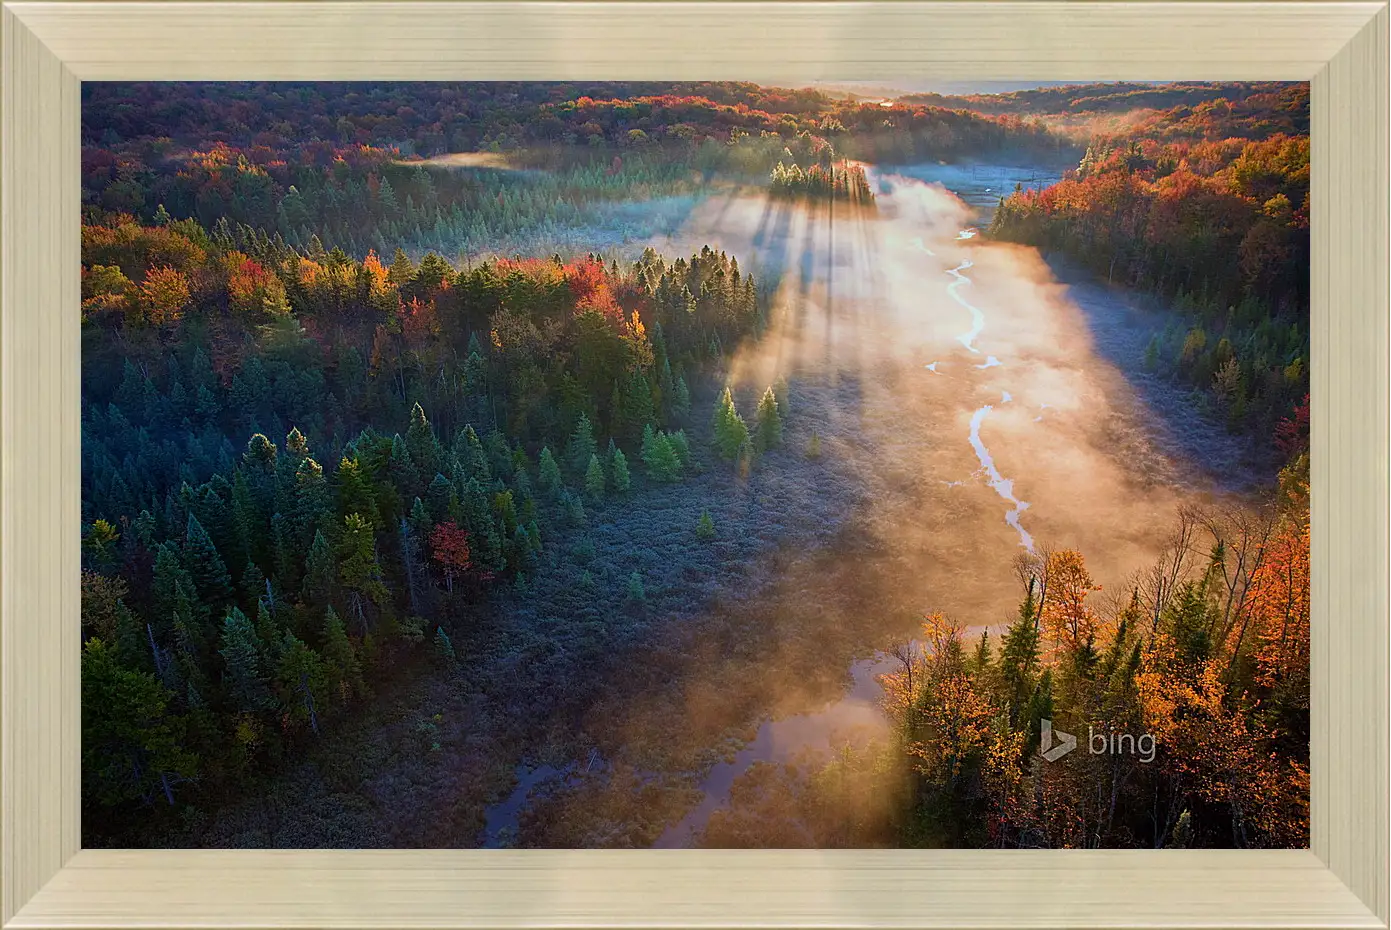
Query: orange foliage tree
[1065,613]
[163,297]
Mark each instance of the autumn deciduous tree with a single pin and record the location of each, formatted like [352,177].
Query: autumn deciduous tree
[1065,613]
[252,291]
[450,548]
[1278,603]
[104,288]
[164,295]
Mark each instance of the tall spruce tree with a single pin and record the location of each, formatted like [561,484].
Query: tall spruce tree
[581,447]
[594,479]
[302,682]
[340,659]
[729,428]
[1019,658]
[768,432]
[242,678]
[205,566]
[661,459]
[622,481]
[320,571]
[549,474]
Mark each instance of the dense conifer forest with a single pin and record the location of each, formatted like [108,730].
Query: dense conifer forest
[410,470]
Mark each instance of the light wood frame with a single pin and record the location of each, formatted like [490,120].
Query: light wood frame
[49,48]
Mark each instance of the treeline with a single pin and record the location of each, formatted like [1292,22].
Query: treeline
[338,161]
[239,596]
[1188,695]
[1219,228]
[364,199]
[438,117]
[840,181]
[424,118]
[1175,99]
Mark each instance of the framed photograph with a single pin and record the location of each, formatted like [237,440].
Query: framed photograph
[533,464]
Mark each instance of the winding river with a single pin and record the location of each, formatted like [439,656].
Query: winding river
[1027,352]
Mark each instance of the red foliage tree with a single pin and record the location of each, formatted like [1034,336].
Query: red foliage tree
[1292,433]
[450,548]
[589,283]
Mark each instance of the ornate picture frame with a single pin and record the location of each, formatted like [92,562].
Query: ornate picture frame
[50,48]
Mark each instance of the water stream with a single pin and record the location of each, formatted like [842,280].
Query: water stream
[777,741]
[859,710]
[967,339]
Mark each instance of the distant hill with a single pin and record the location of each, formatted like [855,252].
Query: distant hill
[1101,97]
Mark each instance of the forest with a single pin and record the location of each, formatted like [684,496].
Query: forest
[239,588]
[360,180]
[1209,657]
[405,414]
[1221,229]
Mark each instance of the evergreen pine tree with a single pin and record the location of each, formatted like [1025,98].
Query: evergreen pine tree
[581,447]
[402,269]
[401,469]
[649,436]
[247,522]
[171,585]
[296,445]
[549,473]
[1019,658]
[780,391]
[437,497]
[302,682]
[344,671]
[622,481]
[205,566]
[444,648]
[310,507]
[420,522]
[358,568]
[705,526]
[730,430]
[637,409]
[661,460]
[240,649]
[1182,835]
[636,593]
[681,446]
[681,400]
[253,583]
[574,509]
[355,495]
[320,571]
[469,451]
[285,550]
[1038,709]
[980,662]
[130,750]
[594,479]
[260,453]
[768,432]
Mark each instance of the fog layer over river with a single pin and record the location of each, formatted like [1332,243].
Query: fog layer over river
[962,388]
